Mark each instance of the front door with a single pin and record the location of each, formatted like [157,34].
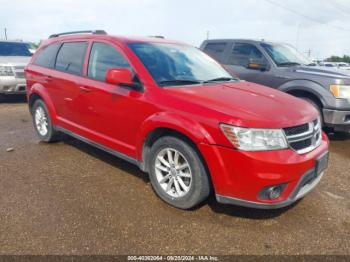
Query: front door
[111,112]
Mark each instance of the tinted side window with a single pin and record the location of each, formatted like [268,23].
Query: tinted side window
[102,58]
[243,54]
[215,50]
[46,55]
[70,58]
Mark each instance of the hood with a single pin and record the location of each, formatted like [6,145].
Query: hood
[15,60]
[328,72]
[246,104]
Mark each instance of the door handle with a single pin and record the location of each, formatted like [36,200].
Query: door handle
[48,78]
[85,89]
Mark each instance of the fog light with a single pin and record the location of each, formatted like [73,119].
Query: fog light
[272,192]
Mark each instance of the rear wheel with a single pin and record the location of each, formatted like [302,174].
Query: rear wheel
[42,122]
[177,173]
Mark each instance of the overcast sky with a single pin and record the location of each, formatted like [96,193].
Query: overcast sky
[322,25]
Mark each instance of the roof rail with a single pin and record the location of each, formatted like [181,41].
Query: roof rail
[94,32]
[157,36]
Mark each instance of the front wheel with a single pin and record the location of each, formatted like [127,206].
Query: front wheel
[42,122]
[177,173]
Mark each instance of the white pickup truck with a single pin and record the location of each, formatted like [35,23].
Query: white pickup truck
[14,56]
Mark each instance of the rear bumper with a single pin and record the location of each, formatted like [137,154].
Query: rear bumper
[12,85]
[340,120]
[239,177]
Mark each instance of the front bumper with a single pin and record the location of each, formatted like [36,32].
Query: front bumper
[238,177]
[12,85]
[299,192]
[340,120]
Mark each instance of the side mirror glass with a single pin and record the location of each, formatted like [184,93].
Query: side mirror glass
[119,76]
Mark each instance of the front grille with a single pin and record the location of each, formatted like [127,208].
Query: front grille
[290,131]
[19,74]
[304,138]
[301,144]
[19,71]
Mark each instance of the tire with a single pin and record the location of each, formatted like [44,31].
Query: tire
[315,105]
[38,110]
[190,185]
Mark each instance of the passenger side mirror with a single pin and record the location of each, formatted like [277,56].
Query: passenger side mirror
[257,66]
[119,76]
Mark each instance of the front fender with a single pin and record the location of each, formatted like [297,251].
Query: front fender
[170,120]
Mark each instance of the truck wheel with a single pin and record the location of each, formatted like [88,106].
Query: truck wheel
[177,173]
[42,122]
[315,105]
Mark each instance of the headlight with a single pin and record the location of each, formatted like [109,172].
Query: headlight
[340,91]
[253,139]
[6,71]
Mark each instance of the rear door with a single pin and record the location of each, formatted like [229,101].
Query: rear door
[66,82]
[216,49]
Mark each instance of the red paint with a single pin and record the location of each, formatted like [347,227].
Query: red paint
[121,118]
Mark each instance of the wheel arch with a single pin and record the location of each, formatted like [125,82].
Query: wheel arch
[39,92]
[169,124]
[159,132]
[308,89]
[306,94]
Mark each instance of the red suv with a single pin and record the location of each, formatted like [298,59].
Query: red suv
[177,114]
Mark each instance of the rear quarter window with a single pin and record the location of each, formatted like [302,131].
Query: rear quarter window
[215,50]
[46,56]
[70,58]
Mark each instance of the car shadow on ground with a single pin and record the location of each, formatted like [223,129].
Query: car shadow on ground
[105,157]
[13,99]
[216,207]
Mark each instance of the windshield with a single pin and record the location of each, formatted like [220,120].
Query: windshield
[172,64]
[285,55]
[14,49]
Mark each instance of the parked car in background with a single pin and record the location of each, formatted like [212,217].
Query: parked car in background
[329,64]
[282,67]
[14,56]
[176,113]
[344,66]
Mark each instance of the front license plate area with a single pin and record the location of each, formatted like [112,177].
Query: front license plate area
[321,164]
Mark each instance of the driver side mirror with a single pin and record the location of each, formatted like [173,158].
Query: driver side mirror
[257,66]
[119,76]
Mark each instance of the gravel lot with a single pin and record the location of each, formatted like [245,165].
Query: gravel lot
[69,198]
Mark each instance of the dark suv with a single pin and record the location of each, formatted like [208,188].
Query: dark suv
[282,67]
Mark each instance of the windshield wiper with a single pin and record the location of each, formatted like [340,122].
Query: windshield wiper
[179,82]
[221,79]
[288,64]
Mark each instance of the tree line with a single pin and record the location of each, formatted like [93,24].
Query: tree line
[334,58]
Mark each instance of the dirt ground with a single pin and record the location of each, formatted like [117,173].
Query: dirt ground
[69,198]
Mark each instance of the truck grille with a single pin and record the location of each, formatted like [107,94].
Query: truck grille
[304,138]
[19,71]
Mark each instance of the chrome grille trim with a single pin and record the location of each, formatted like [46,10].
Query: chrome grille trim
[312,136]
[18,71]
